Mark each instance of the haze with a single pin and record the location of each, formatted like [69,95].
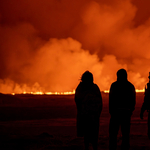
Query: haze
[47,45]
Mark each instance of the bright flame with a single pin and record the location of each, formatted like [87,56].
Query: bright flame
[106,91]
[65,93]
[60,93]
[47,93]
[37,93]
[137,90]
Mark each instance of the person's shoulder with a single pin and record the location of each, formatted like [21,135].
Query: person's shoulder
[114,83]
[95,86]
[79,86]
[130,84]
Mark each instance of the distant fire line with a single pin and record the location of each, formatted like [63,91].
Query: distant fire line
[47,93]
[137,90]
[64,93]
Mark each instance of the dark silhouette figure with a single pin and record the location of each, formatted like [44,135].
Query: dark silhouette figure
[146,104]
[121,105]
[89,106]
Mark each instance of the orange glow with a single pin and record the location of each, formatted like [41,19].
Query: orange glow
[142,90]
[106,91]
[137,91]
[66,93]
[54,42]
[47,93]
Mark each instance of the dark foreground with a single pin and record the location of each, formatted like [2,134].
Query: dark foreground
[29,122]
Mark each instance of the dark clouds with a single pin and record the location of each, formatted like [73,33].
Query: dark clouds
[47,45]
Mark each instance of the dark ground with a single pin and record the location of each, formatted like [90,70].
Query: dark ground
[42,122]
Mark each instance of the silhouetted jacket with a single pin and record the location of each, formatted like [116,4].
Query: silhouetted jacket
[88,99]
[89,106]
[122,97]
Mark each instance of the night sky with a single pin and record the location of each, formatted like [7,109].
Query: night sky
[46,45]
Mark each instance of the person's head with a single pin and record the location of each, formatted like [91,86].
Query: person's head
[121,75]
[87,77]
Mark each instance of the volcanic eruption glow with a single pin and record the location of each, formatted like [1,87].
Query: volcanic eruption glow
[47,93]
[47,45]
[137,91]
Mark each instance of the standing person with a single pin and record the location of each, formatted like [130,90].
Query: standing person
[89,106]
[146,105]
[121,105]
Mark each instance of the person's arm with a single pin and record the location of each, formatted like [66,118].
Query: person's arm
[100,101]
[133,99]
[78,97]
[111,105]
[143,108]
[98,94]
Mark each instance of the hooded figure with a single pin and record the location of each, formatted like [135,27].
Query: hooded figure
[89,106]
[121,105]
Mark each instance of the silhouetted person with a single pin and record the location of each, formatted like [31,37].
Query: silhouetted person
[146,104]
[121,105]
[89,106]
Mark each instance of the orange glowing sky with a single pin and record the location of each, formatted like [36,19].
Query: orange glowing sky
[47,45]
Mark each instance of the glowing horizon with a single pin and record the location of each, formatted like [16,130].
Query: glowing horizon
[137,91]
[66,93]
[47,93]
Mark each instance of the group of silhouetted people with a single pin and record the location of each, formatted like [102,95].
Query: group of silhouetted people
[122,100]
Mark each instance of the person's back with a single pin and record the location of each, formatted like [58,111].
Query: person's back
[121,97]
[121,106]
[89,99]
[89,106]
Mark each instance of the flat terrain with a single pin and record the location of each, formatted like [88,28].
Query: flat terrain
[44,122]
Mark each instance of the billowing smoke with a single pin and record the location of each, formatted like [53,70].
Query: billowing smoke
[47,45]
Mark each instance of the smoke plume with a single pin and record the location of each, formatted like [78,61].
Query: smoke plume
[47,45]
